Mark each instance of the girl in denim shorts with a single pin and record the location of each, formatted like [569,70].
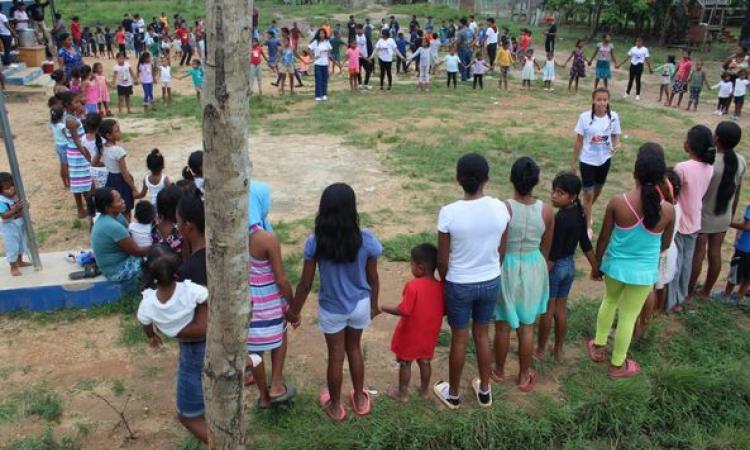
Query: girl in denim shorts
[57,126]
[570,232]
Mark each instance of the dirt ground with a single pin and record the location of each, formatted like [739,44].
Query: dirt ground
[86,356]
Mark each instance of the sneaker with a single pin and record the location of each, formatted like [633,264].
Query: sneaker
[484,398]
[626,96]
[325,98]
[441,389]
[637,97]
[317,99]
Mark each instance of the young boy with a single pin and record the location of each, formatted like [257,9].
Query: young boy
[739,272]
[273,45]
[109,38]
[196,73]
[12,224]
[504,61]
[256,53]
[421,312]
[697,81]
[740,88]
[401,44]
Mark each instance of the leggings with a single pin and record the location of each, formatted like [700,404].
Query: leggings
[400,65]
[723,104]
[491,54]
[367,66]
[626,300]
[452,76]
[636,70]
[187,54]
[385,69]
[478,78]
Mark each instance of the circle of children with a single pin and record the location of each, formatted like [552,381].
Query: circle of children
[508,263]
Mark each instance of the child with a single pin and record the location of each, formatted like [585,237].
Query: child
[273,49]
[113,157]
[726,88]
[421,311]
[166,230]
[665,79]
[739,271]
[177,309]
[424,56]
[269,292]
[140,230]
[740,88]
[347,259]
[681,75]
[12,224]
[194,170]
[695,176]
[124,78]
[352,57]
[109,38]
[570,232]
[90,90]
[528,75]
[102,86]
[256,53]
[120,40]
[57,126]
[89,140]
[101,41]
[604,54]
[195,72]
[304,66]
[75,81]
[58,76]
[146,78]
[156,181]
[78,158]
[478,66]
[451,61]
[401,45]
[165,79]
[336,44]
[578,69]
[504,60]
[548,72]
[166,46]
[287,68]
[435,49]
[697,81]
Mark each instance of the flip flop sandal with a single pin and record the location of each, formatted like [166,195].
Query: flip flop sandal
[249,378]
[324,399]
[496,376]
[288,394]
[529,386]
[629,369]
[438,389]
[476,384]
[89,271]
[594,354]
[368,404]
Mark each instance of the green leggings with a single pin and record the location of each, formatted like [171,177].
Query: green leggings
[628,299]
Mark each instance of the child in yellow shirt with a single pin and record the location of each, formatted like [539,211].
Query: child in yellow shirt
[504,60]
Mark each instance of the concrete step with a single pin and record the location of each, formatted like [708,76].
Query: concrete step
[24,77]
[13,68]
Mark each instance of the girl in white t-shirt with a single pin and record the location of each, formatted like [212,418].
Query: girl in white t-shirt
[165,79]
[124,78]
[156,181]
[113,157]
[597,139]
[99,173]
[639,56]
[384,49]
[321,50]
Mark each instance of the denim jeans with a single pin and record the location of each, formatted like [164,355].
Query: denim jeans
[471,301]
[321,81]
[7,46]
[464,54]
[189,382]
[148,93]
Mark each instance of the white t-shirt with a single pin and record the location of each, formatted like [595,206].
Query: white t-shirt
[177,312]
[476,228]
[98,174]
[725,88]
[141,234]
[597,137]
[4,25]
[321,50]
[491,35]
[165,74]
[122,73]
[111,157]
[22,20]
[740,87]
[362,45]
[385,49]
[473,26]
[638,55]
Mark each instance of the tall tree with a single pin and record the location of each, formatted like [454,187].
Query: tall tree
[745,31]
[227,172]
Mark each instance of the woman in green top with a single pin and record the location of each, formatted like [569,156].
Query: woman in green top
[117,255]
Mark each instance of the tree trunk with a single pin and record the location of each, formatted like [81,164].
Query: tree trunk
[227,171]
[745,30]
[665,27]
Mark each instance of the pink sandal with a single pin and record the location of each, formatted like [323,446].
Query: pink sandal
[629,369]
[367,409]
[529,386]
[496,376]
[324,400]
[594,354]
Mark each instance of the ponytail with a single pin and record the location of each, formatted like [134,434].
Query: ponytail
[700,142]
[650,170]
[651,204]
[727,135]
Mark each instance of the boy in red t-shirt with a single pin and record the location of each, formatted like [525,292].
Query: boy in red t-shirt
[256,53]
[120,40]
[421,310]
[75,31]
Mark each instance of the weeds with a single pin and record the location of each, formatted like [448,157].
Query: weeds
[399,247]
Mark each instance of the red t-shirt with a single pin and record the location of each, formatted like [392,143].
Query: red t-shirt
[182,33]
[525,41]
[120,37]
[255,54]
[422,310]
[75,30]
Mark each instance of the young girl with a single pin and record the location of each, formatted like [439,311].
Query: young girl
[177,309]
[124,78]
[528,75]
[113,157]
[321,49]
[75,81]
[639,56]
[166,231]
[146,77]
[348,260]
[196,73]
[194,170]
[451,61]
[156,181]
[421,311]
[286,65]
[726,88]
[740,88]
[269,292]
[504,60]
[666,71]
[637,227]
[524,281]
[570,232]
[478,66]
[256,70]
[681,75]
[165,79]
[352,58]
[92,141]
[57,126]
[90,90]
[426,60]
[166,47]
[58,76]
[304,65]
[102,85]
[697,81]
[12,224]
[78,158]
[695,176]
[548,72]
[578,69]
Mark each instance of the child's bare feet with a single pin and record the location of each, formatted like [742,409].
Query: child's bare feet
[15,271]
[24,264]
[396,394]
[424,393]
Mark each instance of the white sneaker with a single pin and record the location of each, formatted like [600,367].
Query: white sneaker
[637,97]
[317,99]
[325,98]
[625,96]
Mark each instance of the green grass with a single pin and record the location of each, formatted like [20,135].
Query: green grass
[45,441]
[399,247]
[38,401]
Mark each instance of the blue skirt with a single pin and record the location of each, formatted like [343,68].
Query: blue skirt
[603,71]
[117,181]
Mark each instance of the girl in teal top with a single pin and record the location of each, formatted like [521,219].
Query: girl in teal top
[637,227]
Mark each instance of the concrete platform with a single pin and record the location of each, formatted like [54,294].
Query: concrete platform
[51,289]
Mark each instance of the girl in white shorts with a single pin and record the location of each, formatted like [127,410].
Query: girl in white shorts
[165,79]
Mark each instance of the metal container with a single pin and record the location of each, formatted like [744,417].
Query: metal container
[27,38]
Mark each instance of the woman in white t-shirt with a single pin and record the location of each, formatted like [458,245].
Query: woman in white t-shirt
[384,49]
[6,36]
[471,235]
[113,157]
[321,50]
[639,56]
[597,139]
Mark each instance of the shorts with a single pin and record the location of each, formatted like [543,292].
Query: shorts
[561,277]
[62,153]
[739,268]
[359,318]
[287,68]
[465,302]
[14,236]
[166,84]
[101,48]
[189,393]
[739,100]
[353,71]
[594,176]
[124,90]
[255,72]
[504,72]
[92,108]
[695,94]
[121,48]
[679,87]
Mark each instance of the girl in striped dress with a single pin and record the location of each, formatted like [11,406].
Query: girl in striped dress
[79,159]
[269,291]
